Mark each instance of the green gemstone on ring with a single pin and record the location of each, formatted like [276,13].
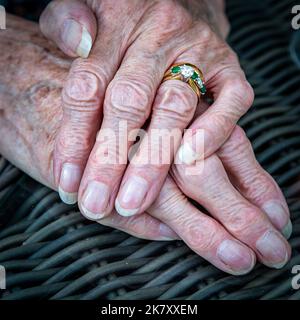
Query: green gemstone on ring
[176,69]
[203,89]
[201,85]
[195,76]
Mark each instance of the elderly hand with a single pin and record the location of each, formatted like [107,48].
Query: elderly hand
[135,42]
[30,115]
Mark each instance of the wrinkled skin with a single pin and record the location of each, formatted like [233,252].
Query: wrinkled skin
[238,231]
[135,42]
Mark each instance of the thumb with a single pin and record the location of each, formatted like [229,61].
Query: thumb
[70,24]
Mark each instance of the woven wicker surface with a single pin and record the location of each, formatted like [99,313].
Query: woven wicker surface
[51,252]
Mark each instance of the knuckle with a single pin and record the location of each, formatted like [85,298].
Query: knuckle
[219,50]
[248,93]
[257,185]
[84,88]
[202,236]
[206,32]
[241,92]
[242,219]
[239,136]
[172,15]
[238,143]
[128,100]
[175,103]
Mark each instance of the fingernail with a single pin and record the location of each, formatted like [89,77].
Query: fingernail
[77,38]
[287,230]
[85,45]
[278,215]
[239,259]
[187,155]
[131,196]
[69,183]
[273,249]
[167,233]
[95,200]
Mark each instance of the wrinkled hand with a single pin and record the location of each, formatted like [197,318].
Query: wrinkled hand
[238,230]
[135,42]
[241,196]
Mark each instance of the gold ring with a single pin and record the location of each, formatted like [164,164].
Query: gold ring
[189,74]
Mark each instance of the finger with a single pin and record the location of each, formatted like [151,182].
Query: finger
[201,233]
[71,25]
[173,109]
[127,105]
[82,99]
[142,226]
[253,182]
[233,96]
[241,218]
